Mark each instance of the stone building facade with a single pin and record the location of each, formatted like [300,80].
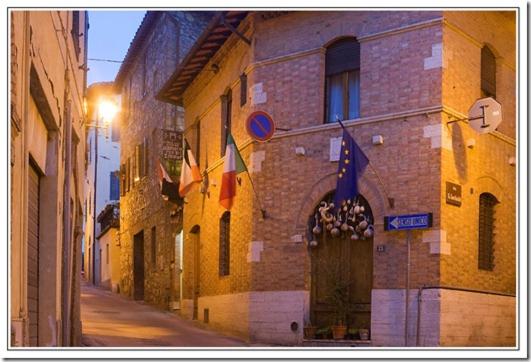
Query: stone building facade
[151,133]
[48,57]
[417,71]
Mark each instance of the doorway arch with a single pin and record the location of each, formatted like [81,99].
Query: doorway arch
[339,263]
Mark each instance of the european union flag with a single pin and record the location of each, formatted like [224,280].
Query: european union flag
[352,163]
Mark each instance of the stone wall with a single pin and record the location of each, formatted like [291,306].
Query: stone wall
[145,119]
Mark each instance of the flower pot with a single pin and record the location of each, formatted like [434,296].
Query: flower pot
[339,332]
[309,332]
[364,334]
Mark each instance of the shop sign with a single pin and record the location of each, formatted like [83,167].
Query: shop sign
[453,194]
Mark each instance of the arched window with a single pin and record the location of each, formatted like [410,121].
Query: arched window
[487,203]
[342,80]
[488,73]
[224,244]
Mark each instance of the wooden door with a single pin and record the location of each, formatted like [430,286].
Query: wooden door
[341,261]
[33,255]
[138,266]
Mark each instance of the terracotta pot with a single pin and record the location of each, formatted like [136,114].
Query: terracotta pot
[339,332]
[364,334]
[309,332]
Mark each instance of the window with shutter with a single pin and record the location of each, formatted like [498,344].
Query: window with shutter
[243,89]
[487,203]
[226,113]
[137,163]
[224,244]
[75,32]
[128,173]
[488,73]
[342,87]
[122,179]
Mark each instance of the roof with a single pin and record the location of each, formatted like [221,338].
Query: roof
[212,39]
[142,34]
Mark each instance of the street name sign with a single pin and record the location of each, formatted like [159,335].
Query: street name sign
[260,126]
[408,222]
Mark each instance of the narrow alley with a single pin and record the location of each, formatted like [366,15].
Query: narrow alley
[110,320]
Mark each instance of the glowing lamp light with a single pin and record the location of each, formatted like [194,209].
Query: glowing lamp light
[107,110]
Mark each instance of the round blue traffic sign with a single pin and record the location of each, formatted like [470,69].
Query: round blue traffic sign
[260,126]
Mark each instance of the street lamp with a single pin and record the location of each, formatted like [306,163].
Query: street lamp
[106,109]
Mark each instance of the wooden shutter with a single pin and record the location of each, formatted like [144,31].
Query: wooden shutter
[243,89]
[122,179]
[342,56]
[488,72]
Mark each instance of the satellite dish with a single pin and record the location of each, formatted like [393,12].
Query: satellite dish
[485,115]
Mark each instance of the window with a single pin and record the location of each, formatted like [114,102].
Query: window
[243,89]
[226,113]
[488,73]
[197,141]
[153,245]
[123,180]
[114,193]
[487,203]
[75,32]
[128,173]
[107,253]
[342,80]
[145,157]
[144,76]
[224,244]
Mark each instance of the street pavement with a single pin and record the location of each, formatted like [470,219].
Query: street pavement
[111,320]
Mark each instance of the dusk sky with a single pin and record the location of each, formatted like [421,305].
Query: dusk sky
[110,34]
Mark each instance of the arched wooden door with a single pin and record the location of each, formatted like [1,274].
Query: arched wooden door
[339,263]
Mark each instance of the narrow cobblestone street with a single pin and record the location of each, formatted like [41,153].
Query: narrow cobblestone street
[110,320]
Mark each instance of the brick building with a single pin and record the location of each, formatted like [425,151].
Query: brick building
[404,76]
[151,132]
[48,57]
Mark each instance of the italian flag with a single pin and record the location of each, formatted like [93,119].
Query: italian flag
[190,174]
[233,165]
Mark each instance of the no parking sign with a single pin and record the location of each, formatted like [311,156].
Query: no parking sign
[260,126]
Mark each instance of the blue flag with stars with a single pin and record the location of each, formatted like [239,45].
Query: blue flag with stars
[352,163]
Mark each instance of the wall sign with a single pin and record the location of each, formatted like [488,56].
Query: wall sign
[260,126]
[453,194]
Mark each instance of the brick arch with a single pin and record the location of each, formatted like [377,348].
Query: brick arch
[338,38]
[367,187]
[491,185]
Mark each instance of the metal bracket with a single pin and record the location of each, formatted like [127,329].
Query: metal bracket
[234,30]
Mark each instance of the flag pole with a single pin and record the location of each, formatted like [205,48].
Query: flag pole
[262,210]
[390,200]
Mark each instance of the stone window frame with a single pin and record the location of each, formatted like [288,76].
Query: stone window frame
[486,224]
[338,63]
[224,244]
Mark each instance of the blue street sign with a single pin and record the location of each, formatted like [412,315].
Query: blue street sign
[408,222]
[260,126]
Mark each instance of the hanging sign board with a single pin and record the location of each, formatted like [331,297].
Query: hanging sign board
[453,194]
[260,126]
[485,115]
[408,222]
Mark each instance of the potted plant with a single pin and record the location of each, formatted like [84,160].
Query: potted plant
[323,332]
[309,331]
[339,300]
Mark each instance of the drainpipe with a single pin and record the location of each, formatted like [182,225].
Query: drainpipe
[95,199]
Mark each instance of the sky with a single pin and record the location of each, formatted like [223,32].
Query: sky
[109,36]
